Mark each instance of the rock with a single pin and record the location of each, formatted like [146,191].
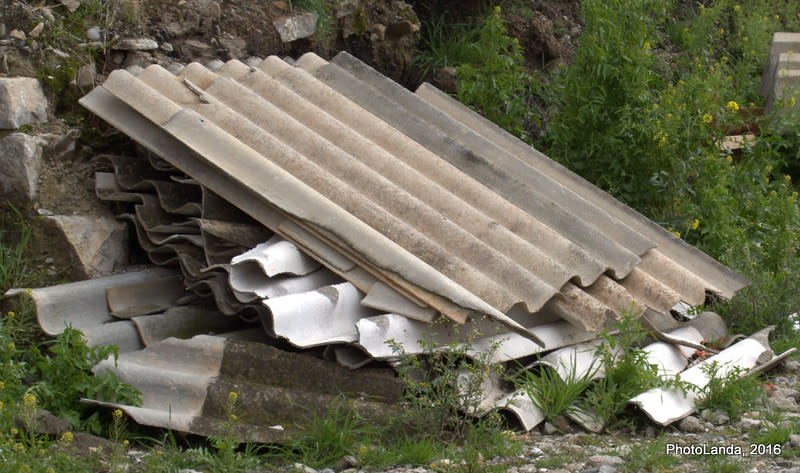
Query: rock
[599,460]
[296,27]
[300,468]
[47,14]
[529,468]
[44,423]
[135,44]
[93,33]
[135,69]
[20,166]
[345,462]
[383,33]
[397,30]
[691,424]
[175,68]
[22,102]
[718,418]
[794,440]
[86,75]
[100,244]
[137,58]
[535,452]
[214,65]
[197,49]
[791,365]
[235,47]
[3,30]
[166,47]
[36,31]
[783,399]
[444,78]
[748,424]
[18,35]
[71,5]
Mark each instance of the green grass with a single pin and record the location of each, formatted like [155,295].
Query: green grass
[733,393]
[650,456]
[555,395]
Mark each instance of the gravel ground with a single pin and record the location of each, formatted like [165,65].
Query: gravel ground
[686,446]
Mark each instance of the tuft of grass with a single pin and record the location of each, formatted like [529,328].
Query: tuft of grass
[339,431]
[554,395]
[15,236]
[650,456]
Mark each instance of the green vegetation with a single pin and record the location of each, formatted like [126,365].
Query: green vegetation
[650,456]
[554,395]
[489,69]
[642,111]
[733,393]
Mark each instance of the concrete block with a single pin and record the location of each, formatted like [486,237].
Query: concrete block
[22,102]
[20,166]
[100,244]
[781,43]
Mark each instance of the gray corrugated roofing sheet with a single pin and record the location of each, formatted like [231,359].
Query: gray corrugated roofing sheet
[389,191]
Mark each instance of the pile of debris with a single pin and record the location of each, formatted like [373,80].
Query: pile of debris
[339,211]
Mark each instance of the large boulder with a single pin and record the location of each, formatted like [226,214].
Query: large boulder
[20,166]
[22,102]
[100,244]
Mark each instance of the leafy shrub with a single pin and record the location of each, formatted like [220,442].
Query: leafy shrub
[489,71]
[64,374]
[492,80]
[443,386]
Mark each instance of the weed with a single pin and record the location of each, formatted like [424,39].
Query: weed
[554,395]
[443,385]
[722,464]
[650,456]
[627,372]
[489,71]
[330,436]
[729,390]
[14,265]
[64,374]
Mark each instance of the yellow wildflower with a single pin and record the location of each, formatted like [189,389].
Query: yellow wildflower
[787,178]
[497,9]
[737,7]
[676,233]
[773,193]
[29,400]
[792,101]
[695,224]
[11,314]
[707,118]
[233,395]
[117,414]
[768,168]
[11,346]
[745,39]
[126,443]
[13,431]
[729,158]
[67,437]
[2,385]
[733,106]
[18,447]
